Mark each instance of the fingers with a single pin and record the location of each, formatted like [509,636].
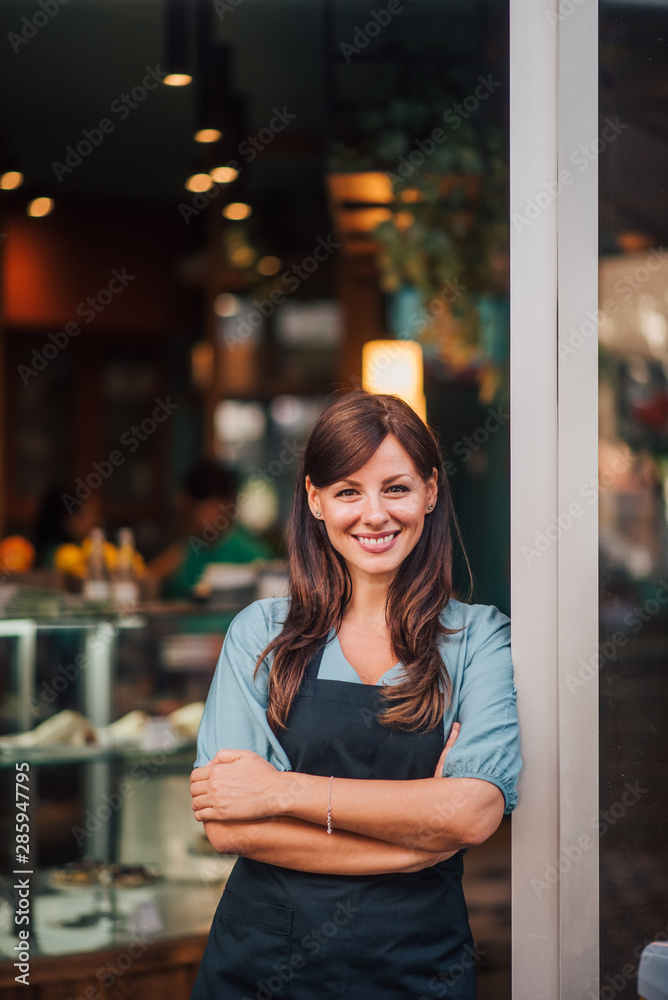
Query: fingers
[438,772]
[454,733]
[227,756]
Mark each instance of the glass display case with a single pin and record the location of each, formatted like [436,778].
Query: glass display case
[98,718]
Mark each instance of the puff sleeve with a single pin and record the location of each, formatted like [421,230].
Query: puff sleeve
[235,714]
[484,702]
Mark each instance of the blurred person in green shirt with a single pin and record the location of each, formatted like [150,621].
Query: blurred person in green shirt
[212,534]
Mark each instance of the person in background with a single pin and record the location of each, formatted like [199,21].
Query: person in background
[55,526]
[211,532]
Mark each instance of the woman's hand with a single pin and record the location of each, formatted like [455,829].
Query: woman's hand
[454,733]
[235,785]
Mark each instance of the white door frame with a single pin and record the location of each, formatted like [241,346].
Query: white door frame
[554,513]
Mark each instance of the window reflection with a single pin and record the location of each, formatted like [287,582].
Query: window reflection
[633,477]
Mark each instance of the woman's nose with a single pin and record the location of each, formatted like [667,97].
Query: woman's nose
[374,511]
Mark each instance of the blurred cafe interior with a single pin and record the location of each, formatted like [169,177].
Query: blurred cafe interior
[215,216]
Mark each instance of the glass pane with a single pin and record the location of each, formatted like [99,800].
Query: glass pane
[633,477]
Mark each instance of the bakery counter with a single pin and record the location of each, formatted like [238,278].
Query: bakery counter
[76,918]
[99,711]
[128,917]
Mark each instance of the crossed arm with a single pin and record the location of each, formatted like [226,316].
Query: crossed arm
[250,808]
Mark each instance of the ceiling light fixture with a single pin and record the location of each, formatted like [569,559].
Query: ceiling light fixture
[39,207]
[177,80]
[224,175]
[11,180]
[199,182]
[237,210]
[208,135]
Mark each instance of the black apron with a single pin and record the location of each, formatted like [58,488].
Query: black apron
[280,934]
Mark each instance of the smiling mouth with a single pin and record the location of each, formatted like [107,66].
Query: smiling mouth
[377,541]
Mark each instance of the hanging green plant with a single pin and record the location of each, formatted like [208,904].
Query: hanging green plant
[447,232]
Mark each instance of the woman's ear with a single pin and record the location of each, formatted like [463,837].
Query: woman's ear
[432,489]
[312,496]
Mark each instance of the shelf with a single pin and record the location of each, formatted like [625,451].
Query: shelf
[96,918]
[45,756]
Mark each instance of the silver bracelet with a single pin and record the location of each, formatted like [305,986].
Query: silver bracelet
[329,806]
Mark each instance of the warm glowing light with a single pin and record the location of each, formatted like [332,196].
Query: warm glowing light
[11,180]
[202,362]
[237,210]
[208,135]
[223,175]
[177,80]
[403,221]
[226,305]
[40,206]
[199,182]
[243,257]
[368,187]
[395,367]
[269,265]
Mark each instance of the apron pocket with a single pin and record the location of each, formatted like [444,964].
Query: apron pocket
[255,948]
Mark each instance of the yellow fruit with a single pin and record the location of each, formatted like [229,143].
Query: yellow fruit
[17,554]
[69,558]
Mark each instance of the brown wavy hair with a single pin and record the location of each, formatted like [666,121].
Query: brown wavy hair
[344,438]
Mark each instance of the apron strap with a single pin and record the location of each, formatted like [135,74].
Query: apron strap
[313,666]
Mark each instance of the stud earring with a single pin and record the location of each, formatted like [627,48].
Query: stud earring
[317,513]
[430,507]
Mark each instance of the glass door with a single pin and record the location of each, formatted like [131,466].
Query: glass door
[631,662]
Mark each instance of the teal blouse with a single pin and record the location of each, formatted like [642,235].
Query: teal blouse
[478,660]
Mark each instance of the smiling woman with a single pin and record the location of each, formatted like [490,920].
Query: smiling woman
[338,755]
[380,511]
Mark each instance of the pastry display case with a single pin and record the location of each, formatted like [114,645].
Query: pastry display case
[110,872]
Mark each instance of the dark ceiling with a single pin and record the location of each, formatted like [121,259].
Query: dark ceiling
[263,54]
[63,76]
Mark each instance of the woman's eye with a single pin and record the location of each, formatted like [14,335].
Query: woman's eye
[346,493]
[397,488]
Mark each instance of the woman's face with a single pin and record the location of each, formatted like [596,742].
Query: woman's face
[375,517]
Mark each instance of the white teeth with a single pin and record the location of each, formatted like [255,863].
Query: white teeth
[376,541]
